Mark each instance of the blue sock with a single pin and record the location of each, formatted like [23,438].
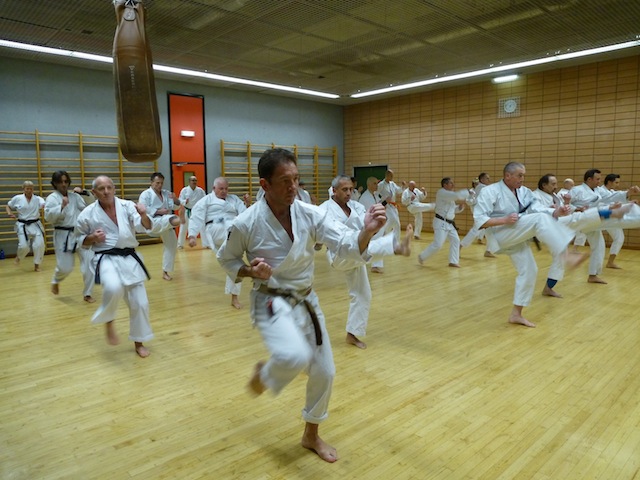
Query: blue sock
[551,283]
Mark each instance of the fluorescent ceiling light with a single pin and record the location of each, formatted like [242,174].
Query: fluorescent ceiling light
[162,68]
[487,71]
[506,78]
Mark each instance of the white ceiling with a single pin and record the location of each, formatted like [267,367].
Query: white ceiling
[334,46]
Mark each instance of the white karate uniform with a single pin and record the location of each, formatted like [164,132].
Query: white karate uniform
[211,218]
[584,196]
[303,195]
[413,200]
[188,199]
[389,191]
[356,274]
[474,232]
[446,207]
[497,200]
[162,226]
[30,236]
[287,330]
[65,241]
[120,276]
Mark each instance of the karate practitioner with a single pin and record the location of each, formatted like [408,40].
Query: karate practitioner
[512,216]
[579,221]
[61,209]
[109,227]
[28,225]
[449,202]
[278,234]
[388,191]
[588,195]
[211,218]
[612,184]
[484,179]
[368,198]
[412,198]
[160,204]
[189,197]
[343,209]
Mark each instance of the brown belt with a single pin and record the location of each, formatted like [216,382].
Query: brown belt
[295,297]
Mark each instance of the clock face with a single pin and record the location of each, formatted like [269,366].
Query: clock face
[510,106]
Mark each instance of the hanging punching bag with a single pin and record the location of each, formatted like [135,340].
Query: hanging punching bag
[137,108]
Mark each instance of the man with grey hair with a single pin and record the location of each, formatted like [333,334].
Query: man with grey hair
[350,213]
[511,216]
[211,218]
[28,225]
[189,196]
[109,227]
[412,198]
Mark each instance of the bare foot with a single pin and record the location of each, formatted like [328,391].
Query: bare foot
[235,303]
[595,279]
[255,384]
[621,211]
[36,268]
[317,247]
[520,320]
[166,276]
[353,340]
[488,254]
[55,288]
[573,260]
[141,350]
[16,261]
[454,265]
[89,299]
[420,260]
[174,221]
[479,241]
[550,292]
[614,265]
[112,336]
[404,248]
[376,270]
[322,449]
[416,237]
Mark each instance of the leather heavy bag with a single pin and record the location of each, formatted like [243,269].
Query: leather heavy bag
[137,107]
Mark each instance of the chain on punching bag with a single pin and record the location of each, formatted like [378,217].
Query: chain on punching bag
[137,108]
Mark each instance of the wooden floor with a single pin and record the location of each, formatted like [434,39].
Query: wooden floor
[446,390]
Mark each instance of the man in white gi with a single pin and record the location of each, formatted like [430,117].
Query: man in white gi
[449,202]
[189,196]
[412,198]
[588,195]
[160,204]
[61,209]
[512,216]
[28,226]
[343,209]
[484,179]
[211,218]
[109,227]
[612,184]
[278,234]
[388,191]
[369,198]
[578,221]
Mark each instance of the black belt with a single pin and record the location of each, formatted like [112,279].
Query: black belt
[450,222]
[296,297]
[66,241]
[24,227]
[120,252]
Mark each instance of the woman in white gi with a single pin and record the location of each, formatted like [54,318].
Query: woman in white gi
[278,234]
[109,227]
[61,209]
[160,205]
[211,218]
[28,225]
[350,213]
